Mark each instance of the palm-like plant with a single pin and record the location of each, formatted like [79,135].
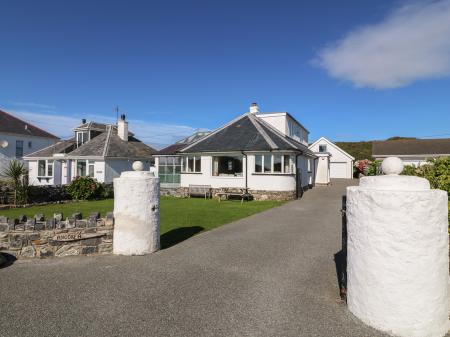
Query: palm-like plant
[15,173]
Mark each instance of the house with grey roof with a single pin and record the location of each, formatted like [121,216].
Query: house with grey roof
[265,154]
[19,138]
[101,151]
[168,161]
[412,151]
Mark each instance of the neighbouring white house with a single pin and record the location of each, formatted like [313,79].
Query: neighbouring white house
[19,138]
[333,162]
[412,151]
[97,150]
[265,154]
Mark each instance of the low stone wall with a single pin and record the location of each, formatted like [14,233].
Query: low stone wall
[55,237]
[182,192]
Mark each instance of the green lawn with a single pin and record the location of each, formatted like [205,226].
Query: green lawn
[180,218]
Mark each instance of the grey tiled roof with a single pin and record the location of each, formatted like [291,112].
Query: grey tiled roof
[411,147]
[174,148]
[63,146]
[12,124]
[107,144]
[247,133]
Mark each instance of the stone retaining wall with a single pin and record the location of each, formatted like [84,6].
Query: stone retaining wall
[37,237]
[182,192]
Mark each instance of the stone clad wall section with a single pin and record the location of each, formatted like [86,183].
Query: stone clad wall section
[55,237]
[258,195]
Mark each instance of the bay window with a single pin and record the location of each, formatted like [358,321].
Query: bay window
[227,166]
[274,163]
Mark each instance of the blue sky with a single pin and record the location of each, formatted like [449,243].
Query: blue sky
[347,70]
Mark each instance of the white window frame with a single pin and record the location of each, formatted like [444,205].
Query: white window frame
[83,135]
[89,163]
[262,155]
[48,164]
[185,164]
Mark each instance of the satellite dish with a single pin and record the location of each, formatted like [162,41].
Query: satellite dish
[3,143]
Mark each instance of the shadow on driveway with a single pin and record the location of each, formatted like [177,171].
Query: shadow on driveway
[178,235]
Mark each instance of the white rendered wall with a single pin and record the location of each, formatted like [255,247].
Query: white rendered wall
[114,167]
[397,256]
[255,181]
[136,213]
[9,153]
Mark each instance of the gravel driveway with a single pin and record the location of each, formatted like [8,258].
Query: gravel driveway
[271,274]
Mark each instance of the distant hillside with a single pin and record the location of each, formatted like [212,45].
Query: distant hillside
[363,150]
[359,150]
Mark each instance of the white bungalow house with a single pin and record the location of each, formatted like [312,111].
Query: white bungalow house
[265,154]
[97,150]
[414,152]
[19,138]
[333,162]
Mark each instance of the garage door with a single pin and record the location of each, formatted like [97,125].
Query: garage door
[338,170]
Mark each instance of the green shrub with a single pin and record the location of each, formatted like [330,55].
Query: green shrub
[85,188]
[374,168]
[437,171]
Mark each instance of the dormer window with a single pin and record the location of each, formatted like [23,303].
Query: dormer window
[82,137]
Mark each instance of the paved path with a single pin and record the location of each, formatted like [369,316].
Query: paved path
[272,274]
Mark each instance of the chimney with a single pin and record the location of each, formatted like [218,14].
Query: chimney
[254,109]
[122,128]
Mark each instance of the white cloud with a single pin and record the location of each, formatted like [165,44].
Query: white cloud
[411,44]
[155,134]
[33,105]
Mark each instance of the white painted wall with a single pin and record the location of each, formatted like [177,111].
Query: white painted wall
[114,167]
[9,153]
[341,163]
[256,181]
[286,125]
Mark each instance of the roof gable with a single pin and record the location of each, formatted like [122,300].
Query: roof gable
[332,144]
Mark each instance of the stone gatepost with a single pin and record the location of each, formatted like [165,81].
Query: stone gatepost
[398,254]
[136,212]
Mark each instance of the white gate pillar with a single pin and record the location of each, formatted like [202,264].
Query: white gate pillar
[398,254]
[136,212]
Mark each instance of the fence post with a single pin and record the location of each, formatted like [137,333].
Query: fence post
[136,212]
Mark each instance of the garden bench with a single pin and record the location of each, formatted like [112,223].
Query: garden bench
[234,192]
[203,190]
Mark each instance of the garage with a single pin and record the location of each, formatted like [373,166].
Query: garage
[338,170]
[340,162]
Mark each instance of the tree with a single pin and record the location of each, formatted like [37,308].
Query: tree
[15,174]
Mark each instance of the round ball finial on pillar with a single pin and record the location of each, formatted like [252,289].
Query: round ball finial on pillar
[136,213]
[138,166]
[392,166]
